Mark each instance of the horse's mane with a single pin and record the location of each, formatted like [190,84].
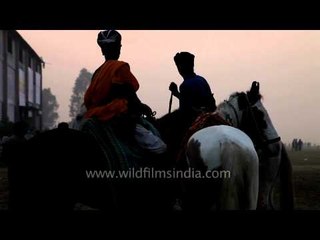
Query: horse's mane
[253,97]
[242,105]
[232,95]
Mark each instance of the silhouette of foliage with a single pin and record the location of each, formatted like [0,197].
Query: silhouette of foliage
[80,86]
[49,109]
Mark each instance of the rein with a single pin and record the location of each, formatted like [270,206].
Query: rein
[262,142]
[235,112]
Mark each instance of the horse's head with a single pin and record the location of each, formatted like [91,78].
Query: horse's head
[260,115]
[244,110]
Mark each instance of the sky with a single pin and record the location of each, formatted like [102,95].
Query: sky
[285,62]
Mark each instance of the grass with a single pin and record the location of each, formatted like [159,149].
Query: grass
[306,175]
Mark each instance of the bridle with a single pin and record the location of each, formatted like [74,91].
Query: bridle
[261,141]
[235,113]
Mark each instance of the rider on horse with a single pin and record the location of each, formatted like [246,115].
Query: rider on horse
[111,96]
[195,95]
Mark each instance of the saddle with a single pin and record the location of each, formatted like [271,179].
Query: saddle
[204,120]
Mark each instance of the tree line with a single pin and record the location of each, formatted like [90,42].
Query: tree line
[50,104]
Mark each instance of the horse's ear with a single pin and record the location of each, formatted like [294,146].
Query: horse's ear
[254,93]
[255,88]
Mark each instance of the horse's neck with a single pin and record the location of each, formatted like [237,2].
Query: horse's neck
[270,132]
[228,113]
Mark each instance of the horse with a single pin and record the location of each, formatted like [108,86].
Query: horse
[226,149]
[53,175]
[219,148]
[244,111]
[50,176]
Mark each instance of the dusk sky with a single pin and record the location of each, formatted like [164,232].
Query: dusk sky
[286,63]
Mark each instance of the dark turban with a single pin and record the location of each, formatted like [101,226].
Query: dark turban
[108,36]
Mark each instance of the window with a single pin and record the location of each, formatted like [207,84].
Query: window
[21,55]
[10,44]
[38,68]
[29,61]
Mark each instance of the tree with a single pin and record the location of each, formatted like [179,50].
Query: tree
[80,86]
[49,109]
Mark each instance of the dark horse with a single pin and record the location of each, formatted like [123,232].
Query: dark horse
[51,174]
[48,176]
[243,111]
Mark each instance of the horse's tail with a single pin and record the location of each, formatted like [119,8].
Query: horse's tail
[286,181]
[240,191]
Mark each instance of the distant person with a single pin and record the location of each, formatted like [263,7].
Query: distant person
[194,94]
[63,125]
[294,144]
[300,144]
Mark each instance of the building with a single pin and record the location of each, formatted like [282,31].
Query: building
[20,80]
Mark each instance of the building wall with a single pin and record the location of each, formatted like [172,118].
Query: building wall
[11,67]
[1,71]
[11,94]
[20,80]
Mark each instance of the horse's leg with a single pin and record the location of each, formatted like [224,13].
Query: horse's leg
[269,166]
[286,183]
[252,180]
[199,194]
[240,189]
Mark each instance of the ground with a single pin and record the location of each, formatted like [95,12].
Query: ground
[306,174]
[3,188]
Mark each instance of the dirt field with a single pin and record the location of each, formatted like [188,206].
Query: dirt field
[306,173]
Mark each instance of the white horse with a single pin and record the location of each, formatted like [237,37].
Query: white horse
[246,112]
[227,149]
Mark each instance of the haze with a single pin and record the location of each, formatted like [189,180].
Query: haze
[286,63]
